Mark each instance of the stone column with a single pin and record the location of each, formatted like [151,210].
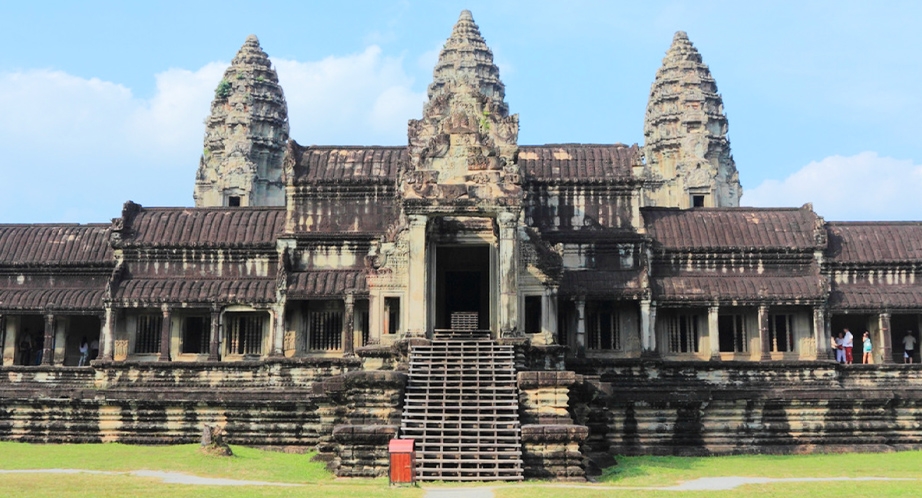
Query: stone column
[549,315]
[886,341]
[349,326]
[277,338]
[165,333]
[647,329]
[820,337]
[508,277]
[214,348]
[714,332]
[764,335]
[107,341]
[61,327]
[581,326]
[416,270]
[48,343]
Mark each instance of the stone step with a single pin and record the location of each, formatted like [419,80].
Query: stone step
[461,406]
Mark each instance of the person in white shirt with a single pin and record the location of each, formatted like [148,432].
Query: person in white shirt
[848,343]
[909,345]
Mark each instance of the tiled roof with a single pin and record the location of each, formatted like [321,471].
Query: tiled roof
[876,297]
[345,164]
[157,291]
[595,283]
[47,245]
[206,227]
[875,242]
[52,292]
[575,162]
[731,228]
[326,283]
[741,288]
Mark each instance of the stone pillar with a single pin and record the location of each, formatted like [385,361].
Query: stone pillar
[214,348]
[61,326]
[508,277]
[886,341]
[165,334]
[647,340]
[764,335]
[349,326]
[107,341]
[277,334]
[549,315]
[820,337]
[48,344]
[416,270]
[375,320]
[581,326]
[9,340]
[713,332]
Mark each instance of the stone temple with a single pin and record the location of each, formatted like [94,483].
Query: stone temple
[517,310]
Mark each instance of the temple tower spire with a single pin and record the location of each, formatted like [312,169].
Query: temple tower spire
[245,135]
[688,159]
[464,147]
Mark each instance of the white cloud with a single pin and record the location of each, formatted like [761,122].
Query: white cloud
[77,148]
[855,188]
[363,98]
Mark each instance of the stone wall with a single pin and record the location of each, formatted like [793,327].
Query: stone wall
[709,408]
[550,439]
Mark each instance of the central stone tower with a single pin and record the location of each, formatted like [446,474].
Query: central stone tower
[688,159]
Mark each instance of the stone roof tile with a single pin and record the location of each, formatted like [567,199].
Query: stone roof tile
[349,164]
[54,245]
[877,242]
[876,297]
[205,227]
[738,288]
[725,229]
[578,162]
[326,283]
[146,292]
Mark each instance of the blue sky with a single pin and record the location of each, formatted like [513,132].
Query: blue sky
[101,102]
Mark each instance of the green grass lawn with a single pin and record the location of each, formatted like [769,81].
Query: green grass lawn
[246,464]
[257,465]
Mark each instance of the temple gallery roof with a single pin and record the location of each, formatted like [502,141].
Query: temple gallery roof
[204,227]
[732,228]
[879,242]
[54,245]
[541,163]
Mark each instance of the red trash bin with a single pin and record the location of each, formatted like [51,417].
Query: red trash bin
[403,461]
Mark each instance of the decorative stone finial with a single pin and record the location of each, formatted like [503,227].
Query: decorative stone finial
[245,135]
[688,159]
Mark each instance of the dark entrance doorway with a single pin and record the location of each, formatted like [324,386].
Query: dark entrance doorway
[899,326]
[462,284]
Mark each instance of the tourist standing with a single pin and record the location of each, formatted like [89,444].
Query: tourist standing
[84,351]
[848,343]
[909,346]
[25,348]
[866,348]
[840,349]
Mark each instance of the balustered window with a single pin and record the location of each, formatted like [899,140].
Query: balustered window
[147,338]
[603,327]
[244,333]
[781,331]
[682,331]
[325,326]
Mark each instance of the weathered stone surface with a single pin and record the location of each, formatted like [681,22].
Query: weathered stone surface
[245,135]
[686,147]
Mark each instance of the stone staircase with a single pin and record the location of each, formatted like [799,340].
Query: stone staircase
[461,406]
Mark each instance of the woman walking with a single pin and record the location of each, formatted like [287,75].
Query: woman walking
[866,342]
